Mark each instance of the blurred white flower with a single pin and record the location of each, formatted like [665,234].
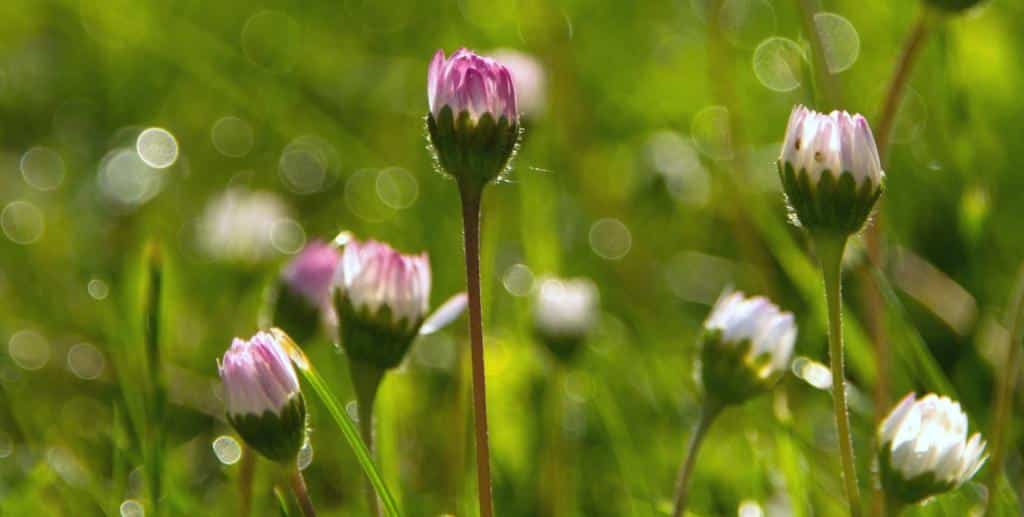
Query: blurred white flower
[239,225]
[925,449]
[529,78]
[564,313]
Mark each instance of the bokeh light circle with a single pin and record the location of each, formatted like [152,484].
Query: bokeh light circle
[42,168]
[778,64]
[232,136]
[839,40]
[29,349]
[86,361]
[227,450]
[22,222]
[610,238]
[397,187]
[157,147]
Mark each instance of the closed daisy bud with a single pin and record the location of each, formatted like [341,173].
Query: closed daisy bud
[564,314]
[473,122]
[925,449]
[745,348]
[302,296]
[381,300]
[830,171]
[261,393]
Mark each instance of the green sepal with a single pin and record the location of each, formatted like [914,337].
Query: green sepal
[832,206]
[295,315]
[563,346]
[277,436]
[373,337]
[908,491]
[731,373]
[474,153]
[953,6]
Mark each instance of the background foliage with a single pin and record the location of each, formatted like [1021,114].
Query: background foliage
[649,169]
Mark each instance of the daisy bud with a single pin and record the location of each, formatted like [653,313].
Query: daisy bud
[925,450]
[473,122]
[262,396]
[953,6]
[830,170]
[304,290]
[745,348]
[564,314]
[381,300]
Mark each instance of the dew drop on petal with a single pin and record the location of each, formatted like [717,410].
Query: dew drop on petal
[518,280]
[227,450]
[839,40]
[778,64]
[22,222]
[232,136]
[132,508]
[29,349]
[157,148]
[42,168]
[711,132]
[610,238]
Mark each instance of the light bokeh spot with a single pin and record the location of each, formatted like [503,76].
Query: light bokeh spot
[287,236]
[132,508]
[98,289]
[812,372]
[29,349]
[232,136]
[22,222]
[305,457]
[86,361]
[397,187]
[157,147]
[518,280]
[839,40]
[610,238]
[126,179]
[227,450]
[778,64]
[42,168]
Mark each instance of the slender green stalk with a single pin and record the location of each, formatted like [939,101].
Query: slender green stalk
[471,195]
[348,429]
[830,87]
[245,475]
[830,253]
[708,413]
[156,405]
[366,380]
[900,76]
[301,493]
[1007,381]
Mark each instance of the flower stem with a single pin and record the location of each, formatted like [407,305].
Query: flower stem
[245,475]
[830,253]
[830,92]
[900,76]
[301,494]
[707,416]
[1007,378]
[471,195]
[366,380]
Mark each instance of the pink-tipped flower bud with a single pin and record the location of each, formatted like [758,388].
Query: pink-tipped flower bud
[303,292]
[830,170]
[925,450]
[745,348]
[262,397]
[381,300]
[474,121]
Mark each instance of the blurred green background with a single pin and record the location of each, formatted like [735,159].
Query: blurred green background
[647,165]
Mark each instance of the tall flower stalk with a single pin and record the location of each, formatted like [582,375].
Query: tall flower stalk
[746,347]
[832,178]
[473,127]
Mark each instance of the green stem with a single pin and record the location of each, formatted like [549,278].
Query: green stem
[1007,377]
[340,418]
[707,416]
[898,83]
[829,85]
[830,252]
[366,380]
[471,195]
[245,476]
[301,494]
